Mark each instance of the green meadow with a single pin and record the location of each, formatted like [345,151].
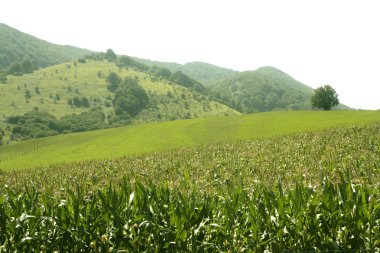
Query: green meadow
[155,137]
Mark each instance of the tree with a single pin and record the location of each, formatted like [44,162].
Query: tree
[160,72]
[3,77]
[27,66]
[324,97]
[113,81]
[2,133]
[15,69]
[129,98]
[110,55]
[186,81]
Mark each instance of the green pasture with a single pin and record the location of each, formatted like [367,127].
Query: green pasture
[154,137]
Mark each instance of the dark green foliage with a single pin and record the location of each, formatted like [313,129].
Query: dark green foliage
[160,72]
[28,95]
[82,60]
[36,124]
[16,46]
[113,80]
[2,133]
[265,89]
[95,56]
[186,81]
[129,98]
[205,73]
[325,98]
[85,121]
[110,55]
[27,66]
[78,102]
[15,69]
[126,61]
[3,76]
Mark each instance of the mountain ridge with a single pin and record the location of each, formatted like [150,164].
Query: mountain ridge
[16,46]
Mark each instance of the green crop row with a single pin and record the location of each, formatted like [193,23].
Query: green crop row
[150,218]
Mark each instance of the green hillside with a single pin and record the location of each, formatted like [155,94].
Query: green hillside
[264,89]
[153,137]
[206,73]
[15,46]
[52,90]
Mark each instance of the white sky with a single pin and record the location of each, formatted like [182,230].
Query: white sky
[317,42]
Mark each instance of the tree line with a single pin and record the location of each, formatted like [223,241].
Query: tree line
[38,124]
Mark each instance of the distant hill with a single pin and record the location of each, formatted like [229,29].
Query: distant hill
[265,89]
[17,46]
[205,73]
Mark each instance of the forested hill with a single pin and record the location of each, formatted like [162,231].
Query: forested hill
[205,73]
[264,89]
[16,46]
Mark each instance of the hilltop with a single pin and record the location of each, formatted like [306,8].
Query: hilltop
[16,46]
[265,89]
[206,73]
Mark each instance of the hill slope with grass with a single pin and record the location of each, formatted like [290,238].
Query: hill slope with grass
[55,89]
[153,137]
[15,46]
[264,89]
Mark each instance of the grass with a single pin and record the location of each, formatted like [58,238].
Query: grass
[310,192]
[155,137]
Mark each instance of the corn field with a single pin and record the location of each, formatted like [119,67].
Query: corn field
[312,192]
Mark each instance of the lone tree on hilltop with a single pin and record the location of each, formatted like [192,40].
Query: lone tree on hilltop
[324,97]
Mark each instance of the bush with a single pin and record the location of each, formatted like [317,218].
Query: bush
[36,124]
[78,102]
[86,121]
[113,80]
[129,98]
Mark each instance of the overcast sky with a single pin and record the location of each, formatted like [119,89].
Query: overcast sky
[317,42]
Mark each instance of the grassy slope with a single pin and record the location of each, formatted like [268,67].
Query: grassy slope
[154,137]
[68,81]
